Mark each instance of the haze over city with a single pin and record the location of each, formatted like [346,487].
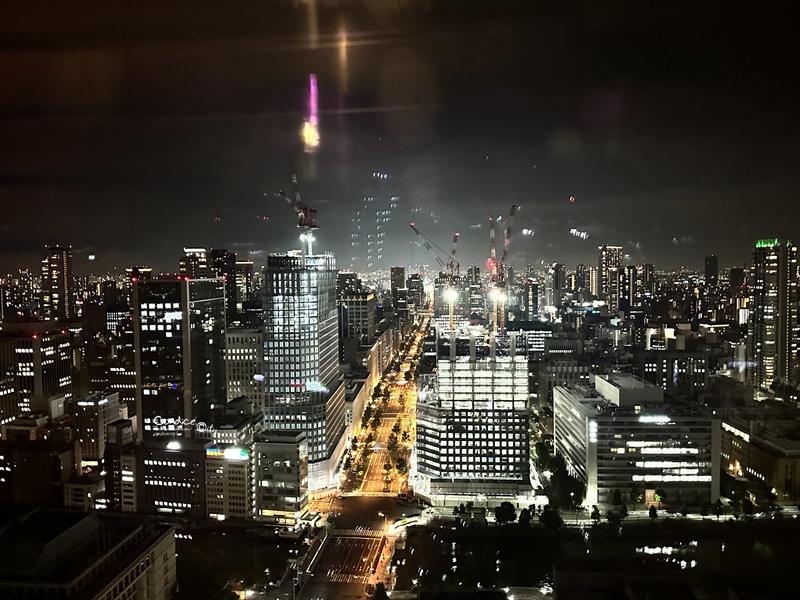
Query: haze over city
[420,299]
[137,131]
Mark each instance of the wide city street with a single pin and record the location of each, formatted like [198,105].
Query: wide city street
[357,548]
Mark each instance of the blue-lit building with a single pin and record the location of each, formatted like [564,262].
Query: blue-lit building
[301,341]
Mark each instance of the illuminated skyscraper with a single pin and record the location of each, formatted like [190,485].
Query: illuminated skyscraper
[179,339]
[34,361]
[223,265]
[58,292]
[554,285]
[609,257]
[773,335]
[244,283]
[194,263]
[301,354]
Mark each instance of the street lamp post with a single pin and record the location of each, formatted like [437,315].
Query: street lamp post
[572,501]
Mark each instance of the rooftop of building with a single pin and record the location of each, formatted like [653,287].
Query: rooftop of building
[231,422]
[27,329]
[177,444]
[51,546]
[627,381]
[594,403]
[279,436]
[772,423]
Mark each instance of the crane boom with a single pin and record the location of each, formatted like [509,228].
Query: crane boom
[430,245]
[306,217]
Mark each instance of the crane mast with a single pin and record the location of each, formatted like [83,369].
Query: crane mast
[498,292]
[451,269]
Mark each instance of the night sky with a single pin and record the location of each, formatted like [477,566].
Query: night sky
[131,131]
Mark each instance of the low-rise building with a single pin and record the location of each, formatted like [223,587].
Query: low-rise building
[619,434]
[280,476]
[228,482]
[62,554]
[762,444]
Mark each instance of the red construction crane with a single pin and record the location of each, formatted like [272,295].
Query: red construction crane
[498,292]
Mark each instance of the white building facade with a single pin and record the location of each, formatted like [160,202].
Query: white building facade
[472,421]
[620,435]
[303,391]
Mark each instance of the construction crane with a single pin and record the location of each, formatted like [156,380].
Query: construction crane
[498,292]
[451,269]
[306,217]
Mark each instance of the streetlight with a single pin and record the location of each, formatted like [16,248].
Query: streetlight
[572,501]
[383,514]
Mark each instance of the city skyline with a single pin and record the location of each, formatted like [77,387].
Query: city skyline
[639,127]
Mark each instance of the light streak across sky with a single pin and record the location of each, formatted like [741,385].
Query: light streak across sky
[310,130]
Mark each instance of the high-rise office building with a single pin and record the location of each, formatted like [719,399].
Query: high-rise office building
[35,361]
[179,337]
[416,290]
[301,353]
[628,288]
[51,553]
[472,420]
[58,290]
[476,299]
[736,279]
[594,281]
[244,283]
[194,264]
[347,281]
[711,270]
[555,285]
[530,308]
[773,313]
[446,290]
[244,364]
[356,322]
[280,476]
[581,278]
[397,280]
[645,282]
[609,258]
[229,483]
[223,265]
[93,415]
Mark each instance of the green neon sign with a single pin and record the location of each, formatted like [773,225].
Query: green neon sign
[767,243]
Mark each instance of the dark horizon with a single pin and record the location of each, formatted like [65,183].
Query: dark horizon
[135,131]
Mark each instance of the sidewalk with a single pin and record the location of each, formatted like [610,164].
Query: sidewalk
[382,572]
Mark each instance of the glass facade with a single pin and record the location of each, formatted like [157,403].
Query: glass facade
[301,354]
[179,336]
[773,313]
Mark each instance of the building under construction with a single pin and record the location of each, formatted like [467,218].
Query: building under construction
[472,420]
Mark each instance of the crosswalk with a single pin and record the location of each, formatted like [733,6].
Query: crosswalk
[346,578]
[364,533]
